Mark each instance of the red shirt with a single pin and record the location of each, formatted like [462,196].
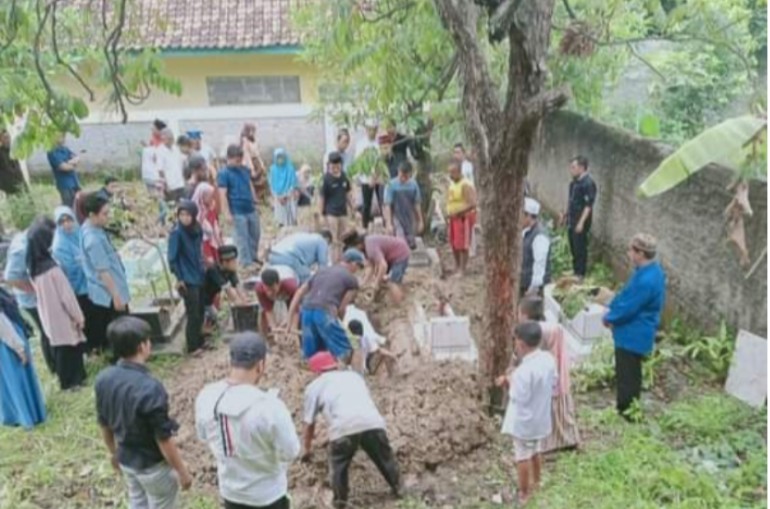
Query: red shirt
[286,289]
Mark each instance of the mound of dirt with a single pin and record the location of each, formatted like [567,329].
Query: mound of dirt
[433,410]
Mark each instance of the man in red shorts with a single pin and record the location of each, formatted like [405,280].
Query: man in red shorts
[461,211]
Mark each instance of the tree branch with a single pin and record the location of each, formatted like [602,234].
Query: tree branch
[646,62]
[401,9]
[59,60]
[546,102]
[570,12]
[13,28]
[50,96]
[504,16]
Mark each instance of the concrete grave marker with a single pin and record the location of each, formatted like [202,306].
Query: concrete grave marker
[747,379]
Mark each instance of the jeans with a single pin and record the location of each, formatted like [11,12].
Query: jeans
[247,234]
[397,271]
[375,444]
[322,331]
[578,246]
[369,193]
[195,309]
[156,487]
[68,196]
[302,271]
[628,372]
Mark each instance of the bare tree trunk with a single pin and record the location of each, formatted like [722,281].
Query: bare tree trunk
[502,136]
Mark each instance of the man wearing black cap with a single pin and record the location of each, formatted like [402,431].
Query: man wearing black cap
[329,292]
[238,198]
[223,276]
[248,430]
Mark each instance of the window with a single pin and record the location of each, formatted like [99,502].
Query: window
[227,90]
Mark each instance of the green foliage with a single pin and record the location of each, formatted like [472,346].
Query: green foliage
[709,455]
[597,371]
[51,60]
[21,209]
[714,351]
[369,164]
[381,60]
[730,144]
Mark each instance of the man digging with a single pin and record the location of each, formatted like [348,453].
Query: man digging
[353,421]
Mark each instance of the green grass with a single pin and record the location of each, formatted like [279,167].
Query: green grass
[706,453]
[64,459]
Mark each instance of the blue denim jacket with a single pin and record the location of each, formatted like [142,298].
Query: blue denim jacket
[99,255]
[635,311]
[16,269]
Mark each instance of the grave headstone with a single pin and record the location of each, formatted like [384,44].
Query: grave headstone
[450,338]
[419,256]
[747,378]
[588,322]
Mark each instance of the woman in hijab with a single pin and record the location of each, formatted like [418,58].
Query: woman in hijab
[21,401]
[185,259]
[59,310]
[68,254]
[205,198]
[283,185]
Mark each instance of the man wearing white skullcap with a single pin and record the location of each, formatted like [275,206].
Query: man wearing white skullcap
[536,247]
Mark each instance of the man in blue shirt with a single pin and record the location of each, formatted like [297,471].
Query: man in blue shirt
[105,274]
[301,251]
[17,277]
[634,317]
[238,197]
[64,164]
[403,215]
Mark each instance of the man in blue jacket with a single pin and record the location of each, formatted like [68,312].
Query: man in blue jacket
[634,316]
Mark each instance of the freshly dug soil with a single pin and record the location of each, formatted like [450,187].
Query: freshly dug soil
[433,410]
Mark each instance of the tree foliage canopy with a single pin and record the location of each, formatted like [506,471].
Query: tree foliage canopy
[53,54]
[390,58]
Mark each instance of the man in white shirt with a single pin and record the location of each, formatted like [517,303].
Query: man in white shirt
[249,431]
[459,155]
[532,387]
[535,251]
[171,160]
[353,422]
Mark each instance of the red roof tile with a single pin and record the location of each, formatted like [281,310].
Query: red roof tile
[214,24]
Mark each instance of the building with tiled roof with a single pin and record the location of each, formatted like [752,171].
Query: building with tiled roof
[237,62]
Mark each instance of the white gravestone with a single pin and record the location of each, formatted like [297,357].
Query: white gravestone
[747,379]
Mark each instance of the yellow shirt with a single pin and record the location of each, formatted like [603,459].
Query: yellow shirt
[455,200]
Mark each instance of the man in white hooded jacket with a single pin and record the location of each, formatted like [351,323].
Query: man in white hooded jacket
[249,431]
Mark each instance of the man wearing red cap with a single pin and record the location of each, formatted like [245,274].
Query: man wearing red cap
[353,421]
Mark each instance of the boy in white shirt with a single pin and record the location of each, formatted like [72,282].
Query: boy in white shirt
[353,422]
[372,348]
[528,417]
[249,431]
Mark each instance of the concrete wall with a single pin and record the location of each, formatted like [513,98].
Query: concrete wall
[110,144]
[118,146]
[706,281]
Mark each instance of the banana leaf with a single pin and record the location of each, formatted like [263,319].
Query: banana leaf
[724,144]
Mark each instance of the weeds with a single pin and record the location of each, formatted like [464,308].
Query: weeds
[715,351]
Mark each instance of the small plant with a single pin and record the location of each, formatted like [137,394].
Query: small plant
[21,209]
[715,352]
[597,370]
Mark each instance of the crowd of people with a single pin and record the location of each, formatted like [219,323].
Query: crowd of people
[67,276]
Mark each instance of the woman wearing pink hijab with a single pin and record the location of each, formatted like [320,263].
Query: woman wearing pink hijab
[565,433]
[205,197]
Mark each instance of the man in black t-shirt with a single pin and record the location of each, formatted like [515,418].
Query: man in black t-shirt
[336,200]
[580,211]
[223,276]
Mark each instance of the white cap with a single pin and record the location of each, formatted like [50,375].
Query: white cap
[531,207]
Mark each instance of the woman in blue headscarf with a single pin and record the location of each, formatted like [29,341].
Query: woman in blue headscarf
[21,401]
[283,185]
[67,253]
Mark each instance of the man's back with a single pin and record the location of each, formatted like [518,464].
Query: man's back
[531,391]
[252,436]
[134,405]
[327,288]
[309,248]
[345,401]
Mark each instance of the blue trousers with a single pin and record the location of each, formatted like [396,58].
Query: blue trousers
[247,234]
[323,332]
